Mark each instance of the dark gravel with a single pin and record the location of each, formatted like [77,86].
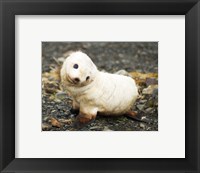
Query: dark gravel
[111,57]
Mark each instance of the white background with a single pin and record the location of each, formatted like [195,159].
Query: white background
[168,142]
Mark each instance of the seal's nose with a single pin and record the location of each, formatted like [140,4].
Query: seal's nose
[77,80]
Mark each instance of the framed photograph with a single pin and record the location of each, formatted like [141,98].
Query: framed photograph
[103,81]
[99,86]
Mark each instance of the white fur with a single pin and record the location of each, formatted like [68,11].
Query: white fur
[105,93]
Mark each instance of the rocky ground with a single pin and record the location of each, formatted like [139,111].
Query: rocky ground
[136,59]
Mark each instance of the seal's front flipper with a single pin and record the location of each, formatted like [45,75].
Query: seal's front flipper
[133,115]
[82,121]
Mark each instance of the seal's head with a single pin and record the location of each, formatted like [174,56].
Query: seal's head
[78,70]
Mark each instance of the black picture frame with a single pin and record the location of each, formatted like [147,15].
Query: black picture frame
[10,8]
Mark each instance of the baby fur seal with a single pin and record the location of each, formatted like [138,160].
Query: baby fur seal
[95,92]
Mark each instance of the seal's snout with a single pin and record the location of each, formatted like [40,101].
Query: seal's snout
[75,80]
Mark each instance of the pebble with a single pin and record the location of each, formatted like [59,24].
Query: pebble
[142,125]
[72,115]
[61,95]
[60,107]
[95,128]
[107,129]
[149,89]
[121,55]
[149,110]
[46,118]
[148,128]
[49,106]
[142,101]
[57,101]
[140,107]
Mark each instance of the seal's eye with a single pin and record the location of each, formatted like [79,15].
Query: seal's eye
[75,66]
[87,78]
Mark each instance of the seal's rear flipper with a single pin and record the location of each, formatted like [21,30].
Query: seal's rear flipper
[133,115]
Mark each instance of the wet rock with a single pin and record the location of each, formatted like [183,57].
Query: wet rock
[61,95]
[142,101]
[60,107]
[72,116]
[125,61]
[140,107]
[107,129]
[149,110]
[150,89]
[142,125]
[121,55]
[57,100]
[95,128]
[149,128]
[49,106]
[46,118]
[156,121]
